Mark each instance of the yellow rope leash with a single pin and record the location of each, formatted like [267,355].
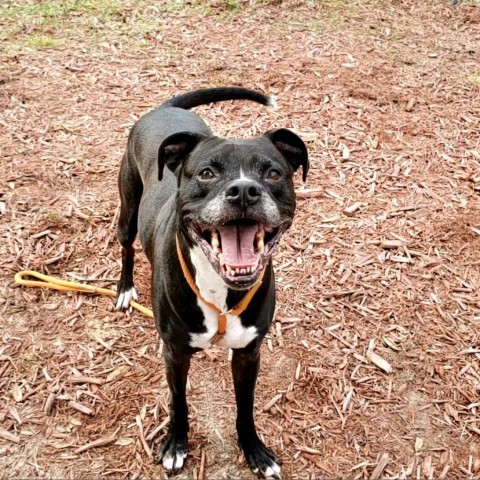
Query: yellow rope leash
[64,286]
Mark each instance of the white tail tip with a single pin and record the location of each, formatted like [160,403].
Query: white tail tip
[272,102]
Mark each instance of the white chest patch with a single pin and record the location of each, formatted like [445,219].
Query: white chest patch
[213,290]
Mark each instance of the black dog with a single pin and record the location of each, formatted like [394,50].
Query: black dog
[209,225]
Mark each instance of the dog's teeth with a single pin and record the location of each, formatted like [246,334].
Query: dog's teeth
[259,239]
[215,242]
[239,271]
[260,246]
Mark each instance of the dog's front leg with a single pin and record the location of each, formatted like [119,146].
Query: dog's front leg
[262,460]
[173,451]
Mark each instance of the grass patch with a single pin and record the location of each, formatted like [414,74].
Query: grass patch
[176,6]
[233,6]
[89,24]
[311,26]
[32,24]
[201,7]
[53,217]
[29,357]
[206,8]
[474,79]
[328,14]
[51,13]
[45,24]
[38,42]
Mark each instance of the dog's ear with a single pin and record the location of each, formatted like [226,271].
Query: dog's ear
[175,148]
[292,148]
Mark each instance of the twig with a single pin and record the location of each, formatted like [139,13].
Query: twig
[142,436]
[82,408]
[382,463]
[310,193]
[201,470]
[379,361]
[272,402]
[49,403]
[97,443]
[82,379]
[154,432]
[10,437]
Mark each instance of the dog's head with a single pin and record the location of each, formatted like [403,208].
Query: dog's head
[235,197]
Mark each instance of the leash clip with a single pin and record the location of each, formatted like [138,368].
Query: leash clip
[222,327]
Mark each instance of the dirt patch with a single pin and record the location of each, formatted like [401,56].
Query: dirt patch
[382,257]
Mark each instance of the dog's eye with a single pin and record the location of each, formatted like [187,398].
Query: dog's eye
[206,174]
[274,175]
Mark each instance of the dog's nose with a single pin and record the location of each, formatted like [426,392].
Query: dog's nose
[243,193]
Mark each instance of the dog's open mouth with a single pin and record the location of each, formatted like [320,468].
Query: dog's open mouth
[239,249]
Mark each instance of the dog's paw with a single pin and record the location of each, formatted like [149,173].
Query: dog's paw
[262,461]
[172,453]
[124,297]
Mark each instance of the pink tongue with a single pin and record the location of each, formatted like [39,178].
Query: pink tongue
[237,245]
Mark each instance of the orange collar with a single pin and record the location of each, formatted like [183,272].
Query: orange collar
[222,316]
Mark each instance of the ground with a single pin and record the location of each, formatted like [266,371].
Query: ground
[383,257]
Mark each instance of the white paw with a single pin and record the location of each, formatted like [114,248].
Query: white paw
[272,471]
[174,463]
[123,300]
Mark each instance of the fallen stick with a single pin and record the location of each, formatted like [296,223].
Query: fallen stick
[97,443]
[309,193]
[201,471]
[49,404]
[10,437]
[154,433]
[272,402]
[138,420]
[379,361]
[82,379]
[80,407]
[382,463]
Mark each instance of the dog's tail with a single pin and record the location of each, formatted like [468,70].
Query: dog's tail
[220,94]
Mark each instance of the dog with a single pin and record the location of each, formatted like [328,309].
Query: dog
[210,213]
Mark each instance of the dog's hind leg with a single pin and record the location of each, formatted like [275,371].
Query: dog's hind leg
[131,189]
